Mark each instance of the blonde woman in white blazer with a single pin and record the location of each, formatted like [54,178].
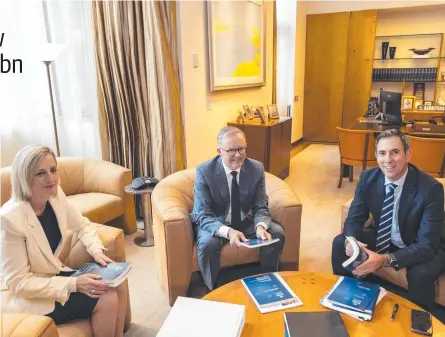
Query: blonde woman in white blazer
[35,226]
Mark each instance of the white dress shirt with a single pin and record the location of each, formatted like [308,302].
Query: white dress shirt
[223,231]
[396,238]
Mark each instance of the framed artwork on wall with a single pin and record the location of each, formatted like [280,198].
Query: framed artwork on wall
[237,44]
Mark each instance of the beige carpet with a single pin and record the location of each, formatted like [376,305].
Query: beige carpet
[313,177]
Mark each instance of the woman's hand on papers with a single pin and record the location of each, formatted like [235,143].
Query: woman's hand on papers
[89,285]
[374,262]
[235,237]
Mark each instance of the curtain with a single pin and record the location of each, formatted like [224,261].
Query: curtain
[25,108]
[286,16]
[136,57]
[74,77]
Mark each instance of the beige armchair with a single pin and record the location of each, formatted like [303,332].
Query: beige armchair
[172,202]
[94,187]
[25,325]
[398,277]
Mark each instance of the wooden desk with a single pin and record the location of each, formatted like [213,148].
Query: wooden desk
[269,143]
[363,123]
[310,288]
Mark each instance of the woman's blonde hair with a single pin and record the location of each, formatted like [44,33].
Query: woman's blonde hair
[23,167]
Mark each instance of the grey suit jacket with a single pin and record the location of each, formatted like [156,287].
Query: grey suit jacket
[212,196]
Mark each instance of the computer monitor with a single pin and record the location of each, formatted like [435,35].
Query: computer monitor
[390,107]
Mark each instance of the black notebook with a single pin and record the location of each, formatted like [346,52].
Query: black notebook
[314,324]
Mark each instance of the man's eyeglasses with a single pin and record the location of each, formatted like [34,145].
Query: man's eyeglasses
[232,152]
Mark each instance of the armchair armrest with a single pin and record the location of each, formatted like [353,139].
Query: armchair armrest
[105,177]
[285,209]
[344,215]
[173,234]
[19,325]
[112,239]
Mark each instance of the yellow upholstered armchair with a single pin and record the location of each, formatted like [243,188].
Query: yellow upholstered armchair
[172,202]
[26,325]
[94,187]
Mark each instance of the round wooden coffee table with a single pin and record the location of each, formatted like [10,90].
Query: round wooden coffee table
[310,288]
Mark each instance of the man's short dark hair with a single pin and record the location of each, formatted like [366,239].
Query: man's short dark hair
[228,130]
[393,133]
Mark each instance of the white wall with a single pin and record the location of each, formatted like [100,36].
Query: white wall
[205,113]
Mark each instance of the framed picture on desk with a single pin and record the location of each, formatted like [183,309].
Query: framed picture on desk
[408,103]
[417,103]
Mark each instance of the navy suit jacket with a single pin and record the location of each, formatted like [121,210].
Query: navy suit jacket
[420,214]
[212,196]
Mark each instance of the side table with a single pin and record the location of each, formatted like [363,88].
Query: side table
[146,239]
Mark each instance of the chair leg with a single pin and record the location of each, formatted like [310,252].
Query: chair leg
[340,180]
[351,173]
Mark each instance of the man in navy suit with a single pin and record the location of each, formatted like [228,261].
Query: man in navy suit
[231,205]
[408,231]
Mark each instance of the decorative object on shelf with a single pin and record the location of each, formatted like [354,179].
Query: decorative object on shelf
[259,111]
[408,103]
[428,103]
[237,47]
[248,112]
[421,53]
[241,118]
[256,110]
[385,46]
[273,111]
[442,76]
[419,90]
[417,103]
[392,52]
[432,108]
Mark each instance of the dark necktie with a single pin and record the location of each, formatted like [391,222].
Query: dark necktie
[384,230]
[235,201]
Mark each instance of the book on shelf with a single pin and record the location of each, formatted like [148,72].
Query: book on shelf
[314,324]
[358,255]
[113,274]
[270,292]
[191,317]
[254,243]
[354,297]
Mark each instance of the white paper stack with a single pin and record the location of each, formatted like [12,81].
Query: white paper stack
[191,317]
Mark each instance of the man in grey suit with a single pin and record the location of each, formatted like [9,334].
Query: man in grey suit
[231,205]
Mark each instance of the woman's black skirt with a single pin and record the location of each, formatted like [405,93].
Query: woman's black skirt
[78,306]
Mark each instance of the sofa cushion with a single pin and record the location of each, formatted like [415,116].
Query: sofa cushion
[98,207]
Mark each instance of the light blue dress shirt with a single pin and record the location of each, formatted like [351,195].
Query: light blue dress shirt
[396,238]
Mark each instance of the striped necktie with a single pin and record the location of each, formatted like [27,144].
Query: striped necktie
[384,230]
